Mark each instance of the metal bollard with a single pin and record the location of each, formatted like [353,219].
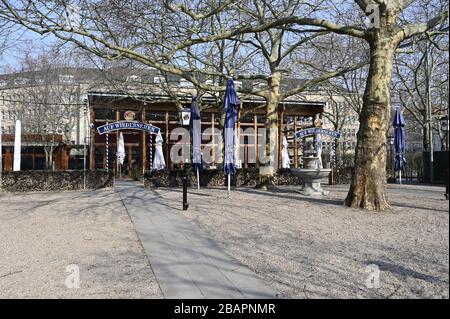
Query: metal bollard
[185,178]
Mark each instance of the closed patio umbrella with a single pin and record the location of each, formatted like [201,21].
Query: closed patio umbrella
[399,142]
[17,146]
[285,161]
[231,102]
[195,128]
[121,151]
[159,162]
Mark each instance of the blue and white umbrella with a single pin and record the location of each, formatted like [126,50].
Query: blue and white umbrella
[399,142]
[231,102]
[195,128]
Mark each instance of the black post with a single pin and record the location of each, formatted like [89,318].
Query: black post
[185,178]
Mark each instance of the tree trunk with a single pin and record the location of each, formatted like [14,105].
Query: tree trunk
[368,185]
[46,158]
[268,168]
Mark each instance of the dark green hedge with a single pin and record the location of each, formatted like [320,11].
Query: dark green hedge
[212,178]
[28,181]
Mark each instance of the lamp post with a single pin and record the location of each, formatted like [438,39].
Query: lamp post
[185,181]
[429,113]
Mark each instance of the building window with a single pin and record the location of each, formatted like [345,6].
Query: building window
[211,82]
[21,81]
[259,85]
[158,80]
[66,78]
[39,79]
[134,78]
[186,84]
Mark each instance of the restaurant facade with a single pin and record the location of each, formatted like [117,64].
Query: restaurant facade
[140,117]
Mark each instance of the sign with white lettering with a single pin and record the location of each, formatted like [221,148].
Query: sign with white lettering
[317,130]
[128,125]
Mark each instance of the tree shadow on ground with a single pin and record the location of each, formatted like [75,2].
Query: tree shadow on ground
[403,271]
[282,194]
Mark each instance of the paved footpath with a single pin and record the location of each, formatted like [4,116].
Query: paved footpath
[186,263]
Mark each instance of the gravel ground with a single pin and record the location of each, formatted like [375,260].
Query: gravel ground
[316,248]
[43,233]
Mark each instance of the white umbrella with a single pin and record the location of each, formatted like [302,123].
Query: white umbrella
[159,162]
[17,146]
[285,161]
[121,151]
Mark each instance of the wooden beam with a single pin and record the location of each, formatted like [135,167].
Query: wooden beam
[280,137]
[295,144]
[117,143]
[144,144]
[169,163]
[239,132]
[255,126]
[213,142]
[92,132]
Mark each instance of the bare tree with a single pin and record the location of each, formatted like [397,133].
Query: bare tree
[48,102]
[134,31]
[388,28]
[421,81]
[204,41]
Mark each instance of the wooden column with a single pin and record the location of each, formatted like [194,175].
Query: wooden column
[239,132]
[8,160]
[295,144]
[167,158]
[255,126]
[63,158]
[117,143]
[91,139]
[144,144]
[280,137]
[213,142]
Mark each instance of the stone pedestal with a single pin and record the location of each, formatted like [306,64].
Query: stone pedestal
[311,177]
[311,180]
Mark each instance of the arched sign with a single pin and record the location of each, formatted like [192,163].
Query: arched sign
[317,130]
[128,125]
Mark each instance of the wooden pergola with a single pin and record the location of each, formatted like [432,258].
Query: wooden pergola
[161,111]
